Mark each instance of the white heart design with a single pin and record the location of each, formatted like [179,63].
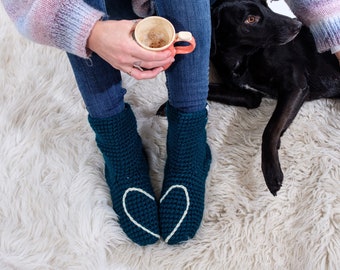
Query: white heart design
[129,215]
[185,211]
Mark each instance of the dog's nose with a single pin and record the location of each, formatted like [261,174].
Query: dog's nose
[296,26]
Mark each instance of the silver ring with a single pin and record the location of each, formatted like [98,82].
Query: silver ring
[137,65]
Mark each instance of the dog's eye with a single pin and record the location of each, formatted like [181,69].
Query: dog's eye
[251,19]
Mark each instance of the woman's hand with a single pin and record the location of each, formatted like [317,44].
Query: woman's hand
[113,41]
[337,54]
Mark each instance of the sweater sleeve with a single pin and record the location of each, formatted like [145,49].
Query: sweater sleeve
[323,19]
[65,24]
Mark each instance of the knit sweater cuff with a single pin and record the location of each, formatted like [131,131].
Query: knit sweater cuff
[75,21]
[326,33]
[335,49]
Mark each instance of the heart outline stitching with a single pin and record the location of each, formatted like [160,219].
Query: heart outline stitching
[185,213]
[133,189]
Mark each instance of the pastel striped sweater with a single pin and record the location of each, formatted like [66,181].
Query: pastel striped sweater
[323,18]
[66,24]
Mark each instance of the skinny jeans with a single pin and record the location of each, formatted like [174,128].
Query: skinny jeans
[187,78]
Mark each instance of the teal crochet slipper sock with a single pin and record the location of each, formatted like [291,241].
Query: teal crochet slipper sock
[187,165]
[127,174]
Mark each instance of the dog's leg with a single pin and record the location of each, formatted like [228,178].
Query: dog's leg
[288,105]
[227,94]
[220,92]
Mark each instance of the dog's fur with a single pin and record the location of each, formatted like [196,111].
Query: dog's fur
[257,53]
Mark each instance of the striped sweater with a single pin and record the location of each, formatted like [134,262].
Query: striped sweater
[66,24]
[323,18]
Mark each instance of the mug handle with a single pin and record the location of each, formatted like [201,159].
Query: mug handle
[187,37]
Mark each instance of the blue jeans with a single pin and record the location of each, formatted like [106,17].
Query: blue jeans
[187,79]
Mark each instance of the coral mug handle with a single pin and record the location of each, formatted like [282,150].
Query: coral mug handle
[186,37]
[182,36]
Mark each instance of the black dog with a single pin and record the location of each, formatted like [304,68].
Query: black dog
[258,53]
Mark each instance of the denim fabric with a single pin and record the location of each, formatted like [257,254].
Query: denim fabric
[187,79]
[98,82]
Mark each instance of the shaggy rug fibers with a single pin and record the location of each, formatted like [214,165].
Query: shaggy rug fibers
[55,210]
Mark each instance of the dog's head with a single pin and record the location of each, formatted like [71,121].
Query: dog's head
[249,24]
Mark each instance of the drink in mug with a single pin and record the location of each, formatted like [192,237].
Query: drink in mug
[157,34]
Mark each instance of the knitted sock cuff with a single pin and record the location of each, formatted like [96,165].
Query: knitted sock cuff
[117,135]
[175,115]
[186,140]
[124,122]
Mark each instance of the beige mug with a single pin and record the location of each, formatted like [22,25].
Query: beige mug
[156,33]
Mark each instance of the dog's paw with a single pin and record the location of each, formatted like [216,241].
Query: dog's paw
[253,100]
[253,103]
[273,177]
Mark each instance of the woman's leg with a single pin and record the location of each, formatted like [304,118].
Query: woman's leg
[99,83]
[126,167]
[188,155]
[188,77]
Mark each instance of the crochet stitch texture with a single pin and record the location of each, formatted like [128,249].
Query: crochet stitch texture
[186,170]
[127,174]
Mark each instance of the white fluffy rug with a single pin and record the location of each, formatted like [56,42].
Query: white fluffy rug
[55,209]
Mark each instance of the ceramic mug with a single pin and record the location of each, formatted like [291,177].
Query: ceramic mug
[156,33]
